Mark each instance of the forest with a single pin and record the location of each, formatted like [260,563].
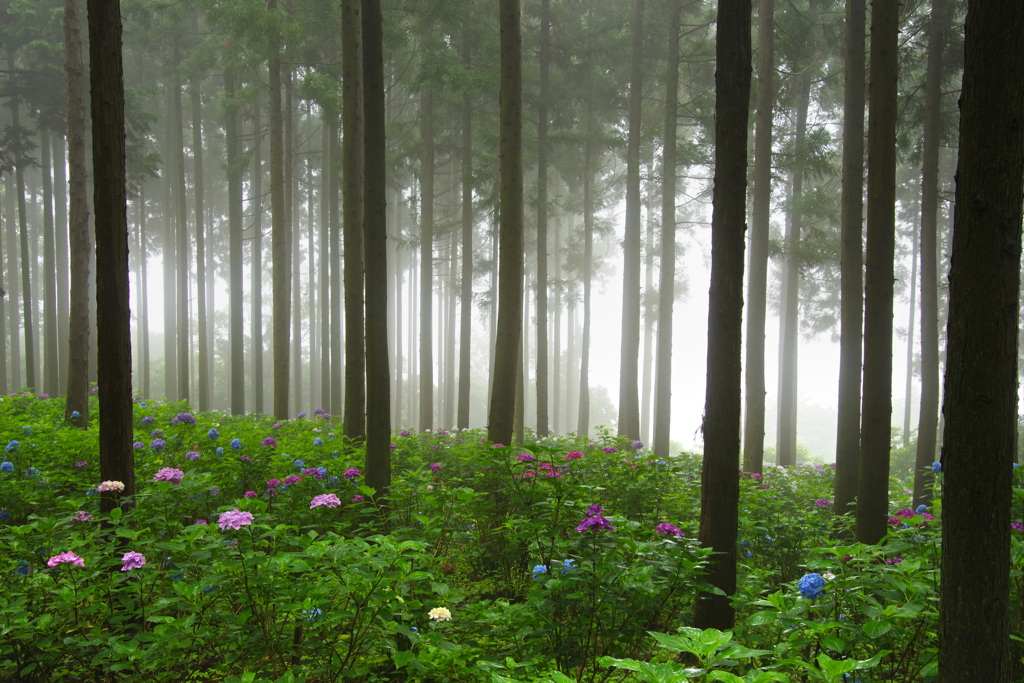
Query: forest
[408,242]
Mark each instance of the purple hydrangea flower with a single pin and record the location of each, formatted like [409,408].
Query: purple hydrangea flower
[326,499]
[269,441]
[668,529]
[132,560]
[234,519]
[352,473]
[168,474]
[598,523]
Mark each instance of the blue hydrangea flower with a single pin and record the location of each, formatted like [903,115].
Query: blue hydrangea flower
[318,441]
[32,472]
[220,450]
[5,515]
[811,585]
[213,434]
[236,444]
[298,464]
[25,429]
[312,614]
[936,467]
[6,466]
[75,415]
[22,568]
[568,564]
[322,470]
[12,446]
[921,509]
[540,569]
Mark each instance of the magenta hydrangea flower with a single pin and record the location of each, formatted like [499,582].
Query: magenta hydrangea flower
[82,516]
[132,560]
[192,455]
[609,449]
[667,528]
[292,479]
[325,499]
[357,498]
[269,441]
[435,467]
[65,558]
[822,503]
[597,522]
[273,482]
[594,510]
[81,463]
[525,457]
[200,521]
[405,432]
[250,494]
[573,455]
[234,519]
[352,473]
[170,474]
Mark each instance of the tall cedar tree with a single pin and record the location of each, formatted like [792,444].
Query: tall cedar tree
[378,386]
[666,293]
[720,486]
[236,334]
[851,266]
[466,295]
[760,224]
[51,384]
[876,410]
[629,396]
[542,220]
[352,160]
[113,319]
[427,152]
[280,231]
[980,399]
[28,305]
[80,240]
[928,418]
[583,411]
[203,356]
[510,228]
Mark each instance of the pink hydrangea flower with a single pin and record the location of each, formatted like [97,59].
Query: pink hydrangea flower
[250,494]
[113,486]
[82,516]
[132,560]
[292,479]
[357,498]
[65,558]
[435,467]
[170,474]
[234,519]
[525,457]
[573,455]
[325,499]
[352,473]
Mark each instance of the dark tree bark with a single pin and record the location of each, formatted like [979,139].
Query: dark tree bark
[851,263]
[928,417]
[352,151]
[236,334]
[629,397]
[510,260]
[378,387]
[337,359]
[281,238]
[980,397]
[182,271]
[169,253]
[79,238]
[876,410]
[117,459]
[325,261]
[720,485]
[466,295]
[203,370]
[13,288]
[143,313]
[667,283]
[760,228]
[60,184]
[908,389]
[542,220]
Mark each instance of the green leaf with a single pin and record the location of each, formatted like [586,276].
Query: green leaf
[403,657]
[761,618]
[876,627]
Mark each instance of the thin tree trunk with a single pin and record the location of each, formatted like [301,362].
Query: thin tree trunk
[198,184]
[542,221]
[337,336]
[851,264]
[629,405]
[236,337]
[80,240]
[14,292]
[426,394]
[583,416]
[325,262]
[466,296]
[353,159]
[510,294]
[449,347]
[169,260]
[649,317]
[281,242]
[291,203]
[60,183]
[143,332]
[183,270]
[256,265]
[28,303]
[51,377]
[667,276]
[720,486]
[908,389]
[927,424]
[876,410]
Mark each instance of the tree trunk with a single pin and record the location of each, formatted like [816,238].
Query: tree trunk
[510,264]
[281,239]
[27,301]
[182,271]
[325,261]
[927,425]
[378,388]
[427,257]
[337,336]
[60,184]
[256,266]
[980,399]
[649,315]
[542,221]
[789,329]
[851,264]
[353,160]
[236,335]
[720,486]
[80,241]
[583,414]
[51,382]
[143,314]
[449,347]
[908,390]
[15,289]
[667,277]
[198,181]
[291,202]
[629,405]
[876,411]
[117,459]
[168,254]
[466,295]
